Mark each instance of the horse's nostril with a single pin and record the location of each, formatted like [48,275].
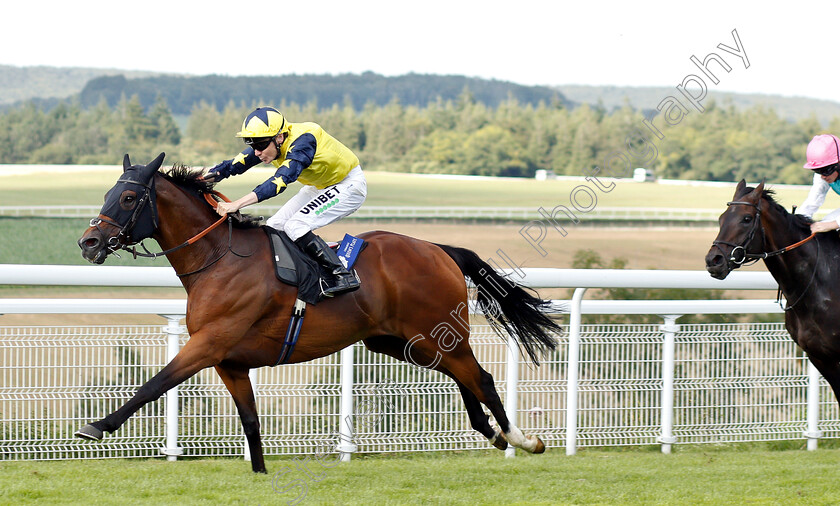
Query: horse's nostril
[90,243]
[714,260]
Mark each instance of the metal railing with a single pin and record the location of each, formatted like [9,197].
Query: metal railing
[605,385]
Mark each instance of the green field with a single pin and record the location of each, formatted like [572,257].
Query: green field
[53,241]
[396,189]
[709,476]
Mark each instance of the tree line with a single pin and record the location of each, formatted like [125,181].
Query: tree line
[459,136]
[182,93]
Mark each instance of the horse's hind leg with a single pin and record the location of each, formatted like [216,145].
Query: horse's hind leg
[478,418]
[464,367]
[395,347]
[239,385]
[461,365]
[490,397]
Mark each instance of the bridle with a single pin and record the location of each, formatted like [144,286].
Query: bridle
[123,241]
[739,255]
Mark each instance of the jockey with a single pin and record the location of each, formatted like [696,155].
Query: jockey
[823,157]
[334,184]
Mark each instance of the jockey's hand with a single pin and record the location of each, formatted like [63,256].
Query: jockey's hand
[823,226]
[224,208]
[218,172]
[212,176]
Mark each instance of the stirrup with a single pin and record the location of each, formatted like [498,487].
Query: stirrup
[348,283]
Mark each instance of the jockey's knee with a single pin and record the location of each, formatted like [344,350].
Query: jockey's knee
[296,229]
[276,223]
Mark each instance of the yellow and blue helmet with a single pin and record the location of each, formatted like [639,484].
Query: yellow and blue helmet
[262,123]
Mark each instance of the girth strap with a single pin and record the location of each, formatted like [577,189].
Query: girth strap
[293,332]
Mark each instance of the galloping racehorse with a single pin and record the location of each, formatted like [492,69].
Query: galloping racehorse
[412,304]
[805,265]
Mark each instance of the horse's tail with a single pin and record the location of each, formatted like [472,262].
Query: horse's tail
[509,307]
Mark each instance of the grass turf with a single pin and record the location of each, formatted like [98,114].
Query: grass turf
[699,475]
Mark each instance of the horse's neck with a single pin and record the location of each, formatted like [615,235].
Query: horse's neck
[180,218]
[788,268]
[780,231]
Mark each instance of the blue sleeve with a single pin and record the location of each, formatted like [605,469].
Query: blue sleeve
[299,157]
[244,161]
[239,164]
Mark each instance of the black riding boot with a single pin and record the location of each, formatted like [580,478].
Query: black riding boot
[315,247]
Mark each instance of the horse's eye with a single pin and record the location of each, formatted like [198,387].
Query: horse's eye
[127,200]
[747,218]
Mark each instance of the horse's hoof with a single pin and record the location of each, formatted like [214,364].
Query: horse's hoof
[89,432]
[540,448]
[499,441]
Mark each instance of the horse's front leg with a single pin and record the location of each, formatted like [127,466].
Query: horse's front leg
[239,385]
[191,359]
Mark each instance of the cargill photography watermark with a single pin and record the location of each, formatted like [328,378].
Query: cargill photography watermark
[639,149]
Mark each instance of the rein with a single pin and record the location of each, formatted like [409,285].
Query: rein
[193,239]
[198,236]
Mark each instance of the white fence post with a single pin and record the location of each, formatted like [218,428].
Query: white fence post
[512,387]
[813,433]
[173,331]
[572,367]
[345,423]
[669,330]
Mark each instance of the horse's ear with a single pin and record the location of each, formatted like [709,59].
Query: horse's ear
[760,188]
[740,188]
[153,167]
[126,163]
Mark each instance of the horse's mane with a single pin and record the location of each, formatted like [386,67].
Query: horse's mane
[796,221]
[188,178]
[191,179]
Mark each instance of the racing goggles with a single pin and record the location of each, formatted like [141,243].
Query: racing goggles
[827,170]
[259,143]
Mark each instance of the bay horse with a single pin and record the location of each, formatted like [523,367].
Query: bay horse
[753,227]
[412,304]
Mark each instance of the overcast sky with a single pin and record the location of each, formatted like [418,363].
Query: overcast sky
[791,52]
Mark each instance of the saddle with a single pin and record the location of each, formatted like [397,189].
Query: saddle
[294,267]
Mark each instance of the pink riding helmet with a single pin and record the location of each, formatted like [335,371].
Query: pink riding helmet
[823,150]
